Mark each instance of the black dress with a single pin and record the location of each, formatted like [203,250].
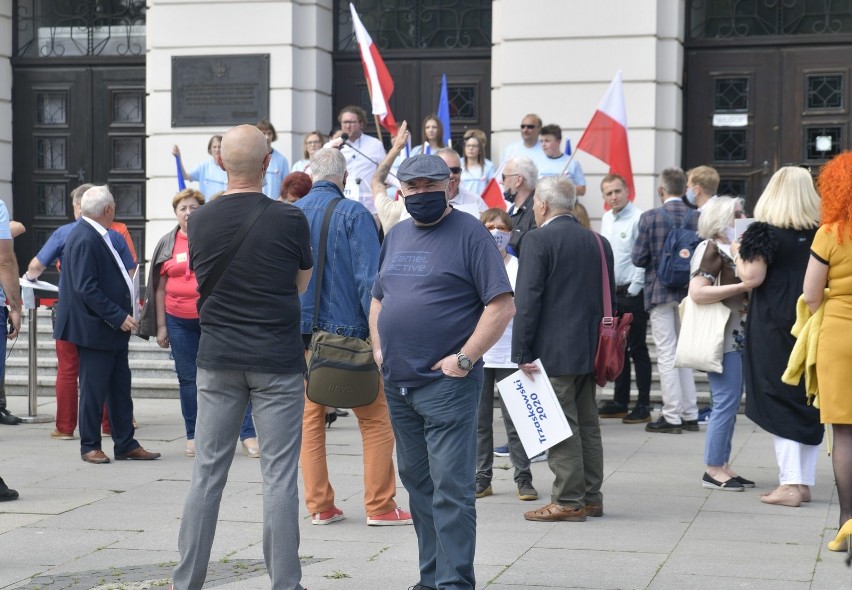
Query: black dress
[774,406]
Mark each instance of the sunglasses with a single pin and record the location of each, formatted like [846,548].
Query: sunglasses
[739,214]
[505,176]
[456,169]
[528,126]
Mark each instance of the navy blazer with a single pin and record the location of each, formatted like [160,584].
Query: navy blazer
[559,298]
[93,300]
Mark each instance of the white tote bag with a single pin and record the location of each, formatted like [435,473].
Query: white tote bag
[702,335]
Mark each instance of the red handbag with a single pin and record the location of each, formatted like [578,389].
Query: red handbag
[612,340]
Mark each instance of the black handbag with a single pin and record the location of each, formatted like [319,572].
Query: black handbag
[341,370]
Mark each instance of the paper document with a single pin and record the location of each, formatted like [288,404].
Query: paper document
[42,285]
[535,410]
[740,225]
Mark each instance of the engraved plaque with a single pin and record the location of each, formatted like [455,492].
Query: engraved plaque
[219,90]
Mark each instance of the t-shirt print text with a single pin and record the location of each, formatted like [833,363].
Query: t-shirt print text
[411,264]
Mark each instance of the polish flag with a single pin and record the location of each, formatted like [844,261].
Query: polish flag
[606,136]
[493,195]
[379,81]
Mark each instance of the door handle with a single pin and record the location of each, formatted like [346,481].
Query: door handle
[80,176]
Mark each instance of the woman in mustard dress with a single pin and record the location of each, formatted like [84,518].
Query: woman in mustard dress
[831,265]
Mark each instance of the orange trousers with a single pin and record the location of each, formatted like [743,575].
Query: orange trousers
[377,439]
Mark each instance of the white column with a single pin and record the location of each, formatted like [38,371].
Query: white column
[556,59]
[298,37]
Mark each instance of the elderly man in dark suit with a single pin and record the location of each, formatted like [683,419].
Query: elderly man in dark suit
[559,301]
[96,312]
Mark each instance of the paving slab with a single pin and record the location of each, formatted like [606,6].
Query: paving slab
[116,525]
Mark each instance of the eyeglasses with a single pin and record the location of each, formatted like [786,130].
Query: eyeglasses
[455,169]
[505,176]
[739,214]
[313,143]
[524,126]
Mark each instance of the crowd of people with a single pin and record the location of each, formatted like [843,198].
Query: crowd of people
[453,296]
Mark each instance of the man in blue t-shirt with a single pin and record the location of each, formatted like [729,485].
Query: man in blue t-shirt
[430,327]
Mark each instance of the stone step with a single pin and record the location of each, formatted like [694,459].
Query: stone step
[141,387]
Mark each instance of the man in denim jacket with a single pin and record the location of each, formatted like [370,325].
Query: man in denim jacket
[351,262]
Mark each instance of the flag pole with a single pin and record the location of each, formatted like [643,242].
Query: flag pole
[568,163]
[378,125]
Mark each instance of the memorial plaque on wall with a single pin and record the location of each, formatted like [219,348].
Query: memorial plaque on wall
[219,90]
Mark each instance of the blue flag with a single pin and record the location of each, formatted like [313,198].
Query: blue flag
[181,182]
[444,110]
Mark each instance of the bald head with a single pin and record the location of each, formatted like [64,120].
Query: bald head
[244,154]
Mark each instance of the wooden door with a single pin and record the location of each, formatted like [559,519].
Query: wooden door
[75,125]
[750,111]
[731,117]
[417,84]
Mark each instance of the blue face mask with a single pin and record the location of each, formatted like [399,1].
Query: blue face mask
[426,208]
[690,195]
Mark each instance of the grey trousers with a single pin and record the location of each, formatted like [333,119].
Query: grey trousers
[485,433]
[277,406]
[577,462]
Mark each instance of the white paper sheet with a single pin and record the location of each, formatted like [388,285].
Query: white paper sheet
[535,410]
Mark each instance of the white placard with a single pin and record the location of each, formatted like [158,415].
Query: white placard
[740,225]
[731,120]
[535,411]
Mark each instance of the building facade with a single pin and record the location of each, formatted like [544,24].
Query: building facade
[87,86]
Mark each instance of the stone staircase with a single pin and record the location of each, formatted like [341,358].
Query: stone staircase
[154,375]
[153,372]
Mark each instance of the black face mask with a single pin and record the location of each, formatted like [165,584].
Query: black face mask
[426,208]
[507,194]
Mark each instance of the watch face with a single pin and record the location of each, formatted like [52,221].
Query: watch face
[464,363]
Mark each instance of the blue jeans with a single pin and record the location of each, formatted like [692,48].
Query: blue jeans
[727,391]
[184,336]
[435,430]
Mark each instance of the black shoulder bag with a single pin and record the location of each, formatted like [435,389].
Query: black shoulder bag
[225,259]
[341,369]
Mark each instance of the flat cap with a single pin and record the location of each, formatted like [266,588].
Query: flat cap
[423,166]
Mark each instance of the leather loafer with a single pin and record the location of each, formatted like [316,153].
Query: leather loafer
[138,454]
[556,512]
[97,457]
[594,510]
[7,418]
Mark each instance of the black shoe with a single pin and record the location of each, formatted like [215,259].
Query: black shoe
[639,415]
[690,425]
[5,493]
[612,409]
[420,587]
[747,483]
[7,418]
[662,426]
[483,488]
[732,485]
[330,418]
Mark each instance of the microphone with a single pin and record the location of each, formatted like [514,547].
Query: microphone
[347,143]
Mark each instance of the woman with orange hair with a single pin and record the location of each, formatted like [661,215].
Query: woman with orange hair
[831,265]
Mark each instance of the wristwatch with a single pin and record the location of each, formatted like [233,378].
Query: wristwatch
[464,363]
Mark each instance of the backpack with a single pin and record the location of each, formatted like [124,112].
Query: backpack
[673,269]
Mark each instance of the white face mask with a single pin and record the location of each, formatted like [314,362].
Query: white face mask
[501,238]
[730,233]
